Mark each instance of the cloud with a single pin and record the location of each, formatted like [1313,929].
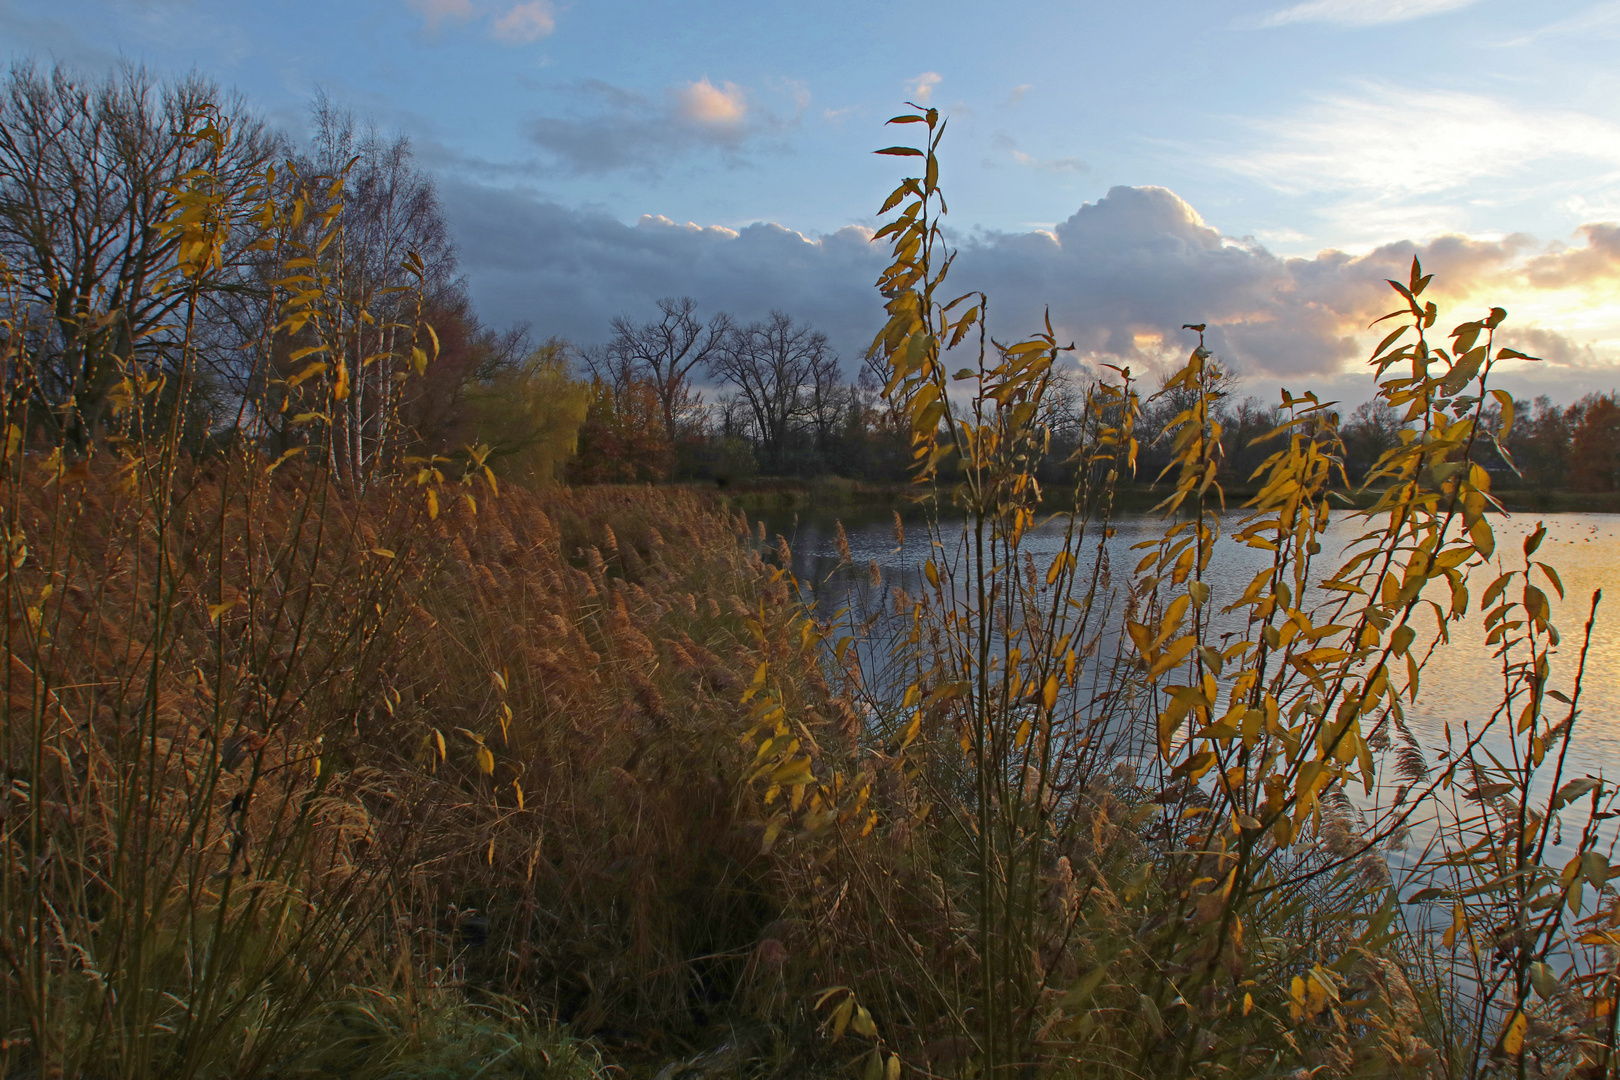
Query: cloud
[921,88]
[1596,21]
[1016,95]
[1598,259]
[1119,276]
[1385,162]
[612,128]
[1004,142]
[1391,142]
[1361,12]
[570,271]
[704,103]
[521,23]
[435,12]
[524,23]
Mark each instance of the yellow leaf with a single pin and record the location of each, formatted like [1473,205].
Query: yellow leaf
[340,385]
[772,830]
[313,369]
[1458,921]
[892,1070]
[862,1023]
[1022,735]
[432,504]
[1315,995]
[1513,1034]
[1248,1004]
[276,463]
[1049,692]
[1172,656]
[840,1017]
[791,772]
[486,760]
[438,739]
[517,788]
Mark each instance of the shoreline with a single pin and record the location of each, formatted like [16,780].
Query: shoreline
[835,496]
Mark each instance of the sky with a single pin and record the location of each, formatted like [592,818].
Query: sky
[1257,165]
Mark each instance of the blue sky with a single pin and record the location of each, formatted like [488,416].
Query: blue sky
[1257,165]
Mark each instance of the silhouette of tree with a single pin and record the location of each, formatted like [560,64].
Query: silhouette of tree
[1595,446]
[663,354]
[777,367]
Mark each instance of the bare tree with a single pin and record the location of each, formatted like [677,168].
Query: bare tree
[776,367]
[664,354]
[1158,425]
[827,405]
[88,175]
[1371,428]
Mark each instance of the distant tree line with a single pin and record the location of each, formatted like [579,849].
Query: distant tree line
[779,403]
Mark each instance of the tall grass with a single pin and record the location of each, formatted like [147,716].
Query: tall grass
[315,769]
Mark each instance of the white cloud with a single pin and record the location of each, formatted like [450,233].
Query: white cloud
[525,22]
[715,106]
[1390,142]
[921,88]
[1361,12]
[435,12]
[1391,162]
[1596,21]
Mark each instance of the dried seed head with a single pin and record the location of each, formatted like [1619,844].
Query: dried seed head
[771,954]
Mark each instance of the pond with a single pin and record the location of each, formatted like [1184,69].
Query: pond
[1462,683]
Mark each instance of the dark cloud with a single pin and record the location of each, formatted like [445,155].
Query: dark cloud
[570,272]
[1120,276]
[611,128]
